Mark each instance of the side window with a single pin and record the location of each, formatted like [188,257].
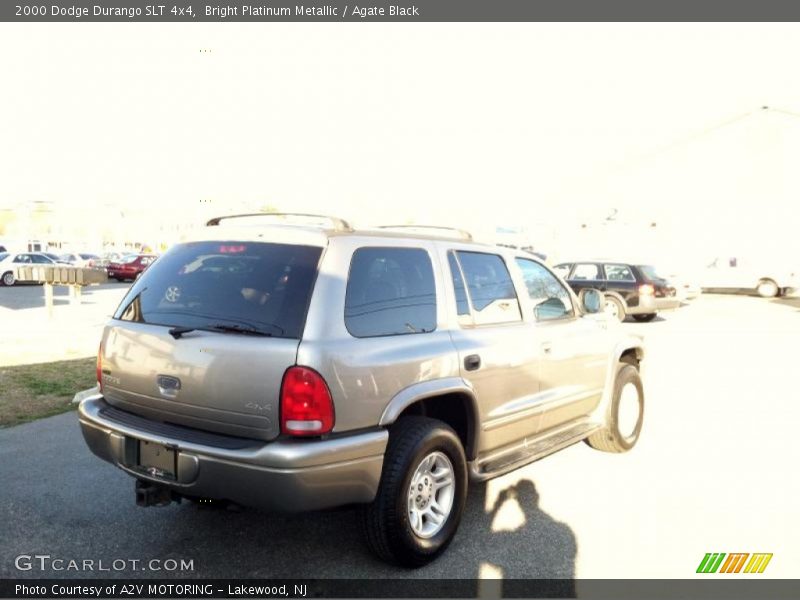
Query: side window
[462,305]
[23,258]
[488,282]
[619,273]
[586,271]
[551,300]
[390,291]
[562,270]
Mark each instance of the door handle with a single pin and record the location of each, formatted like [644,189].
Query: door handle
[547,347]
[472,362]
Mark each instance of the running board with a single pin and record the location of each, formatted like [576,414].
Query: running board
[531,450]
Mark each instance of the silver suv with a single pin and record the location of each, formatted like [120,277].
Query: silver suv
[299,364]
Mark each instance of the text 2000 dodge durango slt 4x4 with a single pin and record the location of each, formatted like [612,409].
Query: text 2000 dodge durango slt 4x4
[298,366]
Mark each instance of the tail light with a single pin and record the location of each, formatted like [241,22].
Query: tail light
[646,290]
[99,370]
[306,403]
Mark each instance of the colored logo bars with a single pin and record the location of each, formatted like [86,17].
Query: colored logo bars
[733,563]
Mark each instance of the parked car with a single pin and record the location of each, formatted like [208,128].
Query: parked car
[79,259]
[767,278]
[629,289]
[11,261]
[302,368]
[130,267]
[107,258]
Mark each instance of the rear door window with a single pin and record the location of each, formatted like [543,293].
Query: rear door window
[491,290]
[390,291]
[619,273]
[260,287]
[586,272]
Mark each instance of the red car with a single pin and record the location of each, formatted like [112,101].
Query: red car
[130,266]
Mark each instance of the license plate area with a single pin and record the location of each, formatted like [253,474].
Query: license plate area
[157,460]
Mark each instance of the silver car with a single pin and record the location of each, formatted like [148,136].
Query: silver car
[306,366]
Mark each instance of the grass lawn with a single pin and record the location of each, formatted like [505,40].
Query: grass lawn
[29,392]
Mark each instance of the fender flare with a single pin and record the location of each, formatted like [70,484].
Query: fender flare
[430,389]
[628,342]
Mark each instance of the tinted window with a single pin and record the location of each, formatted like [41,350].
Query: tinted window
[41,260]
[462,305]
[550,299]
[586,271]
[258,286]
[23,258]
[619,273]
[494,299]
[390,291]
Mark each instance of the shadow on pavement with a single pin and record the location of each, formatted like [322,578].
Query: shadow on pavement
[79,507]
[533,545]
[793,301]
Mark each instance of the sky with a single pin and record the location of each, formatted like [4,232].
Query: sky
[459,124]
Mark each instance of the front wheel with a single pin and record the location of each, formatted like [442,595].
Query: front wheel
[9,279]
[645,318]
[625,415]
[422,493]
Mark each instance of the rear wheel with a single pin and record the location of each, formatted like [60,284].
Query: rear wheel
[422,493]
[625,415]
[615,308]
[767,288]
[645,318]
[8,278]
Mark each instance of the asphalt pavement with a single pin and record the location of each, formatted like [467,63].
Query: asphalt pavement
[714,471]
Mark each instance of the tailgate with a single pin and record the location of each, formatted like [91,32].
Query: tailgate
[208,380]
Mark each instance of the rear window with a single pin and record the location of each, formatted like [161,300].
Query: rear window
[259,286]
[390,291]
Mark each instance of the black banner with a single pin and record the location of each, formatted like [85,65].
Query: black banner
[716,588]
[410,11]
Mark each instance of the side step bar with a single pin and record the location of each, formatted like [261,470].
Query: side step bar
[530,450]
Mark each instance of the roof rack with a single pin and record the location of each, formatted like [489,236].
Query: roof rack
[336,223]
[464,235]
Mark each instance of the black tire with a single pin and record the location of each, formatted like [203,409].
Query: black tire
[610,438]
[645,318]
[620,307]
[385,522]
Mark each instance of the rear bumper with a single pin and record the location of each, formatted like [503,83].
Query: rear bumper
[291,475]
[650,304]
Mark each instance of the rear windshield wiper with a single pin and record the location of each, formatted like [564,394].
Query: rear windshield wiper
[244,329]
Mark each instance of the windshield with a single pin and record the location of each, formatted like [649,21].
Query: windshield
[128,259]
[213,285]
[650,272]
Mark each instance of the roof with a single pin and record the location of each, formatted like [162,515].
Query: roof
[251,227]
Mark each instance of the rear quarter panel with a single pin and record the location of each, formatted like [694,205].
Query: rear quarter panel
[364,374]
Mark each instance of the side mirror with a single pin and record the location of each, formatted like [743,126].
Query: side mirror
[592,301]
[552,308]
